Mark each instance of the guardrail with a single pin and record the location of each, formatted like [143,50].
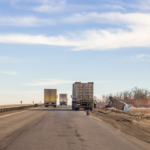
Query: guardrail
[17,107]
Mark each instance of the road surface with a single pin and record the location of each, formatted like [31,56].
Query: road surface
[61,129]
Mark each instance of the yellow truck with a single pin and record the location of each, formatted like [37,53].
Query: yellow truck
[50,97]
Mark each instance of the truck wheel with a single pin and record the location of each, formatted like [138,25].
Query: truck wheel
[54,105]
[91,108]
[73,106]
[76,108]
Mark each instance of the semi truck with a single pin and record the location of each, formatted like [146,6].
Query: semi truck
[82,95]
[50,97]
[63,99]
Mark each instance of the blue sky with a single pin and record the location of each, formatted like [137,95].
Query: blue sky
[54,43]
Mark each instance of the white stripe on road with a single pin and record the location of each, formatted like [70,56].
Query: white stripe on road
[16,113]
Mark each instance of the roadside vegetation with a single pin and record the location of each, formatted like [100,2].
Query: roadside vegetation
[136,97]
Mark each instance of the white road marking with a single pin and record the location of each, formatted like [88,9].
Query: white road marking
[16,113]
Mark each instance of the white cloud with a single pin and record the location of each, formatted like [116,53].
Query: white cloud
[118,19]
[143,57]
[20,92]
[106,81]
[51,6]
[24,21]
[56,82]
[100,39]
[140,56]
[7,72]
[66,5]
[134,58]
[8,59]
[143,5]
[4,59]
[135,33]
[49,82]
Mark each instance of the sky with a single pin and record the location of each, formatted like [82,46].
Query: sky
[48,44]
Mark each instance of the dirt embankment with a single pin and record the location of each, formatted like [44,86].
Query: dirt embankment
[135,123]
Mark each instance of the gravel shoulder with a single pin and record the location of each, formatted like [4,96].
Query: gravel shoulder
[134,123]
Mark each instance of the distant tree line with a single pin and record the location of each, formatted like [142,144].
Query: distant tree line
[134,94]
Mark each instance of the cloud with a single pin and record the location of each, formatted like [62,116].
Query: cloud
[7,72]
[45,82]
[134,58]
[57,6]
[137,36]
[4,59]
[143,5]
[53,6]
[49,82]
[143,57]
[113,18]
[25,21]
[135,32]
[140,56]
[8,59]
[20,92]
[106,81]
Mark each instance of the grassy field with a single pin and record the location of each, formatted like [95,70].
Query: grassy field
[19,105]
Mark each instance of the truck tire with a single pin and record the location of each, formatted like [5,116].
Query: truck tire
[73,106]
[54,105]
[91,108]
[76,108]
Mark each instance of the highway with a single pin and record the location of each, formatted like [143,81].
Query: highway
[61,128]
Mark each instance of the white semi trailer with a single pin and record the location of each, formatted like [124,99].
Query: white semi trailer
[82,95]
[63,99]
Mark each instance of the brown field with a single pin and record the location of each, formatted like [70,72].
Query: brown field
[10,106]
[20,105]
[144,111]
[135,123]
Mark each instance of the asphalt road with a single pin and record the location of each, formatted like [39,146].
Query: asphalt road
[61,129]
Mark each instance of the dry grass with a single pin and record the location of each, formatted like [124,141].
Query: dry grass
[20,105]
[141,111]
[137,103]
[132,123]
